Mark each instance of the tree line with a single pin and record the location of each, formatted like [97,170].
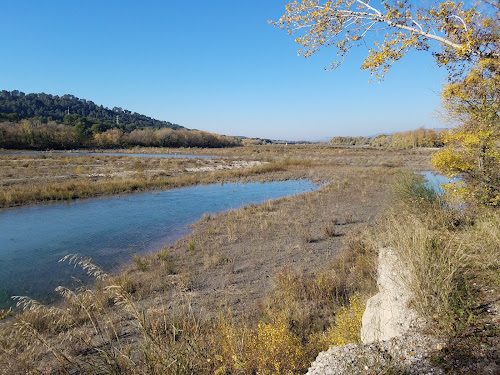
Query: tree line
[44,121]
[34,134]
[409,139]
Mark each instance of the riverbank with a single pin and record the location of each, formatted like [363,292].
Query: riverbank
[28,179]
[249,265]
[96,227]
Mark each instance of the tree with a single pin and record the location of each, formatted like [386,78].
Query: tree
[463,34]
[463,37]
[471,149]
[46,105]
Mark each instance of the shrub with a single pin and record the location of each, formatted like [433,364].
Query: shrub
[347,326]
[411,189]
[141,263]
[277,350]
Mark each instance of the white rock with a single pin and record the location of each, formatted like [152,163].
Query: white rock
[387,314]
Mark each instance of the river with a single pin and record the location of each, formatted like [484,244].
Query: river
[110,230]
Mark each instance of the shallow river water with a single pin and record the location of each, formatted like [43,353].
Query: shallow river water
[109,230]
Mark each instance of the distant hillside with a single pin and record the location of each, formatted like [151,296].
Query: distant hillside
[68,109]
[43,121]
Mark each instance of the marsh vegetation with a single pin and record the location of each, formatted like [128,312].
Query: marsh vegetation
[29,179]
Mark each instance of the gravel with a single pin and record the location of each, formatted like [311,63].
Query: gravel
[406,354]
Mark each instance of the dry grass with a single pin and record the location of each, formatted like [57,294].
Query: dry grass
[256,290]
[29,179]
[448,265]
[453,257]
[368,157]
[244,293]
[282,340]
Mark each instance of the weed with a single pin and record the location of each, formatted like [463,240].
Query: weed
[411,189]
[306,236]
[212,231]
[167,260]
[86,264]
[214,260]
[277,349]
[330,230]
[4,314]
[124,282]
[141,263]
[163,255]
[267,207]
[348,218]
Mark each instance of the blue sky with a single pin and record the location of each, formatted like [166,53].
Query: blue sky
[210,65]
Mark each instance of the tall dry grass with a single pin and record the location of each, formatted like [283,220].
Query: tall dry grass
[452,254]
[108,330]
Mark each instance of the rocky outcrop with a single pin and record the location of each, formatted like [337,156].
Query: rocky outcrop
[387,313]
[393,338]
[390,336]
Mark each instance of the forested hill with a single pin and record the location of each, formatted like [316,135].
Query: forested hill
[16,105]
[44,122]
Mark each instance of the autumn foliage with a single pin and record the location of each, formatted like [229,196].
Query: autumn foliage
[33,134]
[471,150]
[464,37]
[409,139]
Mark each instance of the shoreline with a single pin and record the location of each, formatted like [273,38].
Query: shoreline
[95,230]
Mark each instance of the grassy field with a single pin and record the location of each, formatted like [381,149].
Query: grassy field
[264,288]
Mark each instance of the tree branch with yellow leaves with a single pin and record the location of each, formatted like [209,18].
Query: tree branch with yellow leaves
[392,28]
[462,37]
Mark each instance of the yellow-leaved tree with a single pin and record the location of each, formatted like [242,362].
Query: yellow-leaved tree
[462,36]
[471,149]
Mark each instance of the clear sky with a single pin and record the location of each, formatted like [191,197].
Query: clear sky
[209,65]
